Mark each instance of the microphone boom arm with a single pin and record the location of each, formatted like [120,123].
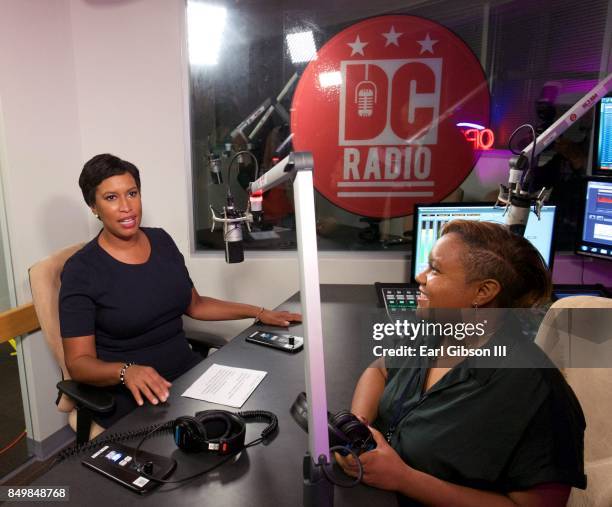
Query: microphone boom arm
[516,197]
[570,117]
[298,167]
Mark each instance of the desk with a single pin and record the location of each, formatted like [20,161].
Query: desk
[262,476]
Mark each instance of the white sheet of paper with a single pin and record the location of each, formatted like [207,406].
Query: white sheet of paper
[225,385]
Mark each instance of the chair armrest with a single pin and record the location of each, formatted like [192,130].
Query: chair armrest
[93,398]
[196,332]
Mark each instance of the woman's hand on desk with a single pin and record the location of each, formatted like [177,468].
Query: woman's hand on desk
[207,308]
[145,381]
[276,318]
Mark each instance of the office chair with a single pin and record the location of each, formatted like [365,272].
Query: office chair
[79,400]
[568,337]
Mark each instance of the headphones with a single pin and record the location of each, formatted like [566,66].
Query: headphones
[219,431]
[344,428]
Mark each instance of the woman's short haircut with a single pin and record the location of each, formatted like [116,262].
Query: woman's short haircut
[100,167]
[493,251]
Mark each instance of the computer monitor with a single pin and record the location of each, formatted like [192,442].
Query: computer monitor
[602,146]
[595,236]
[429,219]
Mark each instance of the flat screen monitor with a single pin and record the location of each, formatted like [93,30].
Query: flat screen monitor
[595,237]
[602,147]
[429,220]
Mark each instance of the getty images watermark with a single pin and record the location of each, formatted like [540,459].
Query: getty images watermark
[444,339]
[537,337]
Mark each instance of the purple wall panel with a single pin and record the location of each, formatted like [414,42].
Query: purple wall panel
[569,268]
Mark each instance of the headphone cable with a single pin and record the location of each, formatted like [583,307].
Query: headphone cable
[254,414]
[206,470]
[333,480]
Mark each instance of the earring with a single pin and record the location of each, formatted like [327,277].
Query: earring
[96,215]
[475,305]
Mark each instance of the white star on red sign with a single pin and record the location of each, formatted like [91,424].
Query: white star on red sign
[392,37]
[427,44]
[357,46]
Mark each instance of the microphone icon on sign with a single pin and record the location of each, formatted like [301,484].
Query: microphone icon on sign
[365,96]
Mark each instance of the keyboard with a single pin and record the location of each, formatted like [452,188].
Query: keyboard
[397,297]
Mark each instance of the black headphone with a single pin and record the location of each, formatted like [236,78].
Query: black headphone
[219,431]
[344,428]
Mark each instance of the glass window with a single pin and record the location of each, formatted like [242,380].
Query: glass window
[14,449]
[267,77]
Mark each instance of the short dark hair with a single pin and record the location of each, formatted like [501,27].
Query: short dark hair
[100,167]
[493,251]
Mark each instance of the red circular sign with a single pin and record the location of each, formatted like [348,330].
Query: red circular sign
[379,108]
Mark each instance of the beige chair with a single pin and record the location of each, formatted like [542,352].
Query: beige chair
[574,337]
[79,401]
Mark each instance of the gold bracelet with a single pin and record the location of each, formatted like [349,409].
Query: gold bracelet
[259,313]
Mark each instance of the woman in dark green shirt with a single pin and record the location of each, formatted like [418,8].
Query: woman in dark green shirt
[466,436]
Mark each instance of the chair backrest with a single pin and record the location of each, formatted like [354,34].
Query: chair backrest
[45,285]
[570,337]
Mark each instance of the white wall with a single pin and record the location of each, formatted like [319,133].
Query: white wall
[40,153]
[80,77]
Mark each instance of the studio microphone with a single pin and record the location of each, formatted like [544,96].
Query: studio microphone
[518,203]
[232,233]
[518,213]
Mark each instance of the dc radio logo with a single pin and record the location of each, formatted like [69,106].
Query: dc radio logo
[379,108]
[378,96]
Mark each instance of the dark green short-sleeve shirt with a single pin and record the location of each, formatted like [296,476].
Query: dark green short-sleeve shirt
[499,429]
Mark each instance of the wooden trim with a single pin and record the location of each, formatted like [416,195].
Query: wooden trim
[18,321]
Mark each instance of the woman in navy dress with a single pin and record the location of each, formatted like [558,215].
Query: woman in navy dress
[123,296]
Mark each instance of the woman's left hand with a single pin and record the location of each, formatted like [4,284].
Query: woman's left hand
[382,467]
[274,318]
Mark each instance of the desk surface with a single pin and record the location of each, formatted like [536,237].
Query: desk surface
[263,475]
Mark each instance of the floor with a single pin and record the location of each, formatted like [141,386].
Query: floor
[13,447]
